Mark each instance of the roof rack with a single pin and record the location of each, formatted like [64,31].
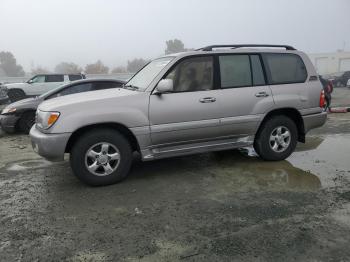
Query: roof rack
[210,48]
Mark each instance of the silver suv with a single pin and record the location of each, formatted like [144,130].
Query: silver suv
[214,98]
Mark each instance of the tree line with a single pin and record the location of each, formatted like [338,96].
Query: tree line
[9,66]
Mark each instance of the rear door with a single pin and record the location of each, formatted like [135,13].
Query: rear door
[245,97]
[287,74]
[191,112]
[51,82]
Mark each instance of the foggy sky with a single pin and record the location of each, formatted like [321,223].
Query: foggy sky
[46,32]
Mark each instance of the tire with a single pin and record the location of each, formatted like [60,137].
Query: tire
[92,142]
[16,95]
[279,147]
[26,122]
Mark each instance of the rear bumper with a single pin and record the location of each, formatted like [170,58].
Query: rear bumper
[8,123]
[50,146]
[314,121]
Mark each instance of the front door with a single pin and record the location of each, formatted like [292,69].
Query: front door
[191,112]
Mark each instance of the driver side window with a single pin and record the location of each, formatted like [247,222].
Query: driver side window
[193,74]
[38,79]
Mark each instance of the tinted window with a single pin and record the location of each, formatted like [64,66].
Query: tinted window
[258,73]
[235,71]
[193,74]
[54,78]
[285,68]
[106,85]
[74,77]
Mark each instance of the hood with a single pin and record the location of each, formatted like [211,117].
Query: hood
[15,85]
[92,98]
[26,103]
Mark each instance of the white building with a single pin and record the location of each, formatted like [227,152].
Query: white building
[329,63]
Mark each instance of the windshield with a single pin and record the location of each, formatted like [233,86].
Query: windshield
[145,76]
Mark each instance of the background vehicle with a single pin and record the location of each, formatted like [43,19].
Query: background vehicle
[341,79]
[38,85]
[186,103]
[20,116]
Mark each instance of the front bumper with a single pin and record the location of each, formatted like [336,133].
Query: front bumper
[314,121]
[8,122]
[50,146]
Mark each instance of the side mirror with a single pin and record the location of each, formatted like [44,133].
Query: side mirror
[165,86]
[30,81]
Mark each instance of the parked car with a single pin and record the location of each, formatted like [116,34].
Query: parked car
[198,101]
[20,116]
[341,79]
[348,83]
[3,94]
[38,85]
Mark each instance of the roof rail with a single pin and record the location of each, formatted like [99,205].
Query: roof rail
[210,48]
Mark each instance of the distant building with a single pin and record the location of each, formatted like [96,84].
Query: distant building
[328,63]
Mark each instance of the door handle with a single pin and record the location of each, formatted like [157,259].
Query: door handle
[261,94]
[207,100]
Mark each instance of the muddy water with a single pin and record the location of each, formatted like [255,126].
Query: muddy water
[326,157]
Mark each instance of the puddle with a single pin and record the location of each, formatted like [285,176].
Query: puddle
[327,157]
[29,164]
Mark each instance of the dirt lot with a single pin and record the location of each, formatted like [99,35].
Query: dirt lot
[228,206]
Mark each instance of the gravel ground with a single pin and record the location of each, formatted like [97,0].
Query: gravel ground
[227,206]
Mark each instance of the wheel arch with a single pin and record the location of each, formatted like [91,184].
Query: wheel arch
[125,131]
[293,114]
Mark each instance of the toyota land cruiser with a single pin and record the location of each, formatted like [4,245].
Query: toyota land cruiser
[215,98]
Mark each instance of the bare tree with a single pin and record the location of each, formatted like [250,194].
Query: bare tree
[174,46]
[39,70]
[119,69]
[9,65]
[96,68]
[68,68]
[135,65]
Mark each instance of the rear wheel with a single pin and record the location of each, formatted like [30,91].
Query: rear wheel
[16,95]
[276,139]
[26,121]
[101,157]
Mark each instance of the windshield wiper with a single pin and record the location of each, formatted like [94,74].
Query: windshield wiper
[131,87]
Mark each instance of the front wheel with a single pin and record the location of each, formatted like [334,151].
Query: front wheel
[16,95]
[26,122]
[101,157]
[276,139]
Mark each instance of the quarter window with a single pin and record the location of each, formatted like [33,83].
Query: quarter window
[235,71]
[74,77]
[285,68]
[193,74]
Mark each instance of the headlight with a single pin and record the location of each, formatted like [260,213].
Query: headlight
[8,110]
[45,120]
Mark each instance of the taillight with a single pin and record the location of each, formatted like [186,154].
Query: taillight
[322,99]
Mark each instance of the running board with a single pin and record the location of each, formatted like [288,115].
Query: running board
[195,148]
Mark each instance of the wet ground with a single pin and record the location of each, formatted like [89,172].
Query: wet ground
[227,206]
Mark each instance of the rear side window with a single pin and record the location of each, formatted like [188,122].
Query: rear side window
[74,77]
[285,68]
[235,71]
[54,78]
[106,85]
